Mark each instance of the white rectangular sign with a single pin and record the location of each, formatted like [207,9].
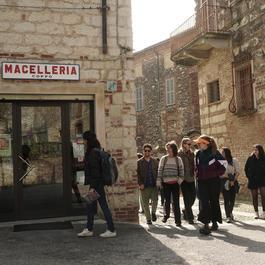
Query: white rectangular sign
[40,71]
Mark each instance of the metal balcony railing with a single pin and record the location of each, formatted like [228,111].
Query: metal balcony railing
[207,19]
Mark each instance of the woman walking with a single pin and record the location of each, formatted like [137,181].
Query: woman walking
[188,185]
[94,178]
[210,165]
[170,177]
[255,172]
[229,183]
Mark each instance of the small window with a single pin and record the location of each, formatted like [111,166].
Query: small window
[170,95]
[213,92]
[139,99]
[244,88]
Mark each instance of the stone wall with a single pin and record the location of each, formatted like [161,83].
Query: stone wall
[153,67]
[69,32]
[238,132]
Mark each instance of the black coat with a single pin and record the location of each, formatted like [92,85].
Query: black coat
[93,176]
[255,170]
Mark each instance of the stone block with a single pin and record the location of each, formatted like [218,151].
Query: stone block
[117,98]
[71,19]
[86,30]
[50,28]
[5,26]
[129,121]
[37,39]
[75,41]
[10,15]
[24,27]
[115,111]
[10,38]
[90,75]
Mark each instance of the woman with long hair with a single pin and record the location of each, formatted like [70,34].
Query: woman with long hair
[188,185]
[170,177]
[255,172]
[229,183]
[210,165]
[94,178]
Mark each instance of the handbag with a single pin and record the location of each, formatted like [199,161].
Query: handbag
[91,196]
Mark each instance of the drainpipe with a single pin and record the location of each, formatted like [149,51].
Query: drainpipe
[104,9]
[158,93]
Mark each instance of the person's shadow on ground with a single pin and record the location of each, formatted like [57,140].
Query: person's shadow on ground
[249,226]
[250,244]
[172,231]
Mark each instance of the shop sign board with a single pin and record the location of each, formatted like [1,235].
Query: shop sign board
[40,71]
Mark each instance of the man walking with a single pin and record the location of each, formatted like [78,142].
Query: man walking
[147,168]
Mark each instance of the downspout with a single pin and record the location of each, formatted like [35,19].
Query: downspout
[104,9]
[158,93]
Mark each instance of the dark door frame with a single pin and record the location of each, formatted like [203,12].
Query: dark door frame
[66,153]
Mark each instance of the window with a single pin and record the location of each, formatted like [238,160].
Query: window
[213,91]
[170,95]
[244,89]
[139,99]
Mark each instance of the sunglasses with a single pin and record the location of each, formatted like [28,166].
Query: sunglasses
[147,150]
[188,144]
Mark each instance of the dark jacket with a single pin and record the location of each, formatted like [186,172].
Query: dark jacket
[210,166]
[93,176]
[142,165]
[189,164]
[255,168]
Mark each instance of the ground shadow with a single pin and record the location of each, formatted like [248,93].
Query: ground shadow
[134,245]
[249,226]
[250,244]
[172,231]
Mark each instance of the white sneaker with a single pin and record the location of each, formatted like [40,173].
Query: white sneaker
[262,216]
[108,234]
[256,215]
[85,233]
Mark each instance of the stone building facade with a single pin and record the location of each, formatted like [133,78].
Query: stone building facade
[159,116]
[227,46]
[97,37]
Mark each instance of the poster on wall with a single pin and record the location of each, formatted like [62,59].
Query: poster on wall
[79,149]
[5,145]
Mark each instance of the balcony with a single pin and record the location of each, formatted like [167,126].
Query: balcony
[208,28]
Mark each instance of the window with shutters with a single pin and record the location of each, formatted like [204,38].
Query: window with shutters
[243,84]
[213,92]
[139,99]
[170,92]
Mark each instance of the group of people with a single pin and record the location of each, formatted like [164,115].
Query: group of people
[204,173]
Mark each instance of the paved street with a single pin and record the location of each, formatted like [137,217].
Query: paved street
[240,243]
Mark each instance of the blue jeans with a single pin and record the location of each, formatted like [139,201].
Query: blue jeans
[92,210]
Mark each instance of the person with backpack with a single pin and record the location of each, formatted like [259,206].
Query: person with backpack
[210,165]
[229,183]
[95,177]
[147,168]
[170,177]
[255,172]
[188,185]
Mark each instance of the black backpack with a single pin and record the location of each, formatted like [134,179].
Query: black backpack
[109,168]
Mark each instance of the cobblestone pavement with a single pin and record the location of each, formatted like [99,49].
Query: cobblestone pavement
[240,243]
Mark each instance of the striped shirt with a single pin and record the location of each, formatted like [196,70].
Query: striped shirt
[168,170]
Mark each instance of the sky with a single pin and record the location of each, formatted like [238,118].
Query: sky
[154,20]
